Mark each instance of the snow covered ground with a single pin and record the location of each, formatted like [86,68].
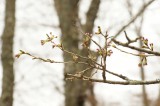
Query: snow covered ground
[41,84]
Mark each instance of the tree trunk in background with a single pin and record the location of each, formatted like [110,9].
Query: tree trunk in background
[145,97]
[157,102]
[142,71]
[76,92]
[7,55]
[138,30]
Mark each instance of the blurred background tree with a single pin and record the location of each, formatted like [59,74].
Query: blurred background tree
[7,54]
[76,92]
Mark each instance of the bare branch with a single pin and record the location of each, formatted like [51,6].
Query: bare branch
[136,48]
[104,52]
[129,82]
[133,18]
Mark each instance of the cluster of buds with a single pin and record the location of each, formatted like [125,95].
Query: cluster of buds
[58,45]
[92,57]
[143,60]
[146,44]
[20,53]
[49,39]
[104,52]
[88,34]
[75,58]
[99,31]
[86,40]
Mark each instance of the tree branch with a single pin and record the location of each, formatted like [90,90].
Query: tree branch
[136,48]
[133,18]
[129,82]
[91,15]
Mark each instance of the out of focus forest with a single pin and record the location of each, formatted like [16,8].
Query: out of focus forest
[26,81]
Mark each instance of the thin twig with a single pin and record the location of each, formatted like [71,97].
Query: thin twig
[136,48]
[133,18]
[129,82]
